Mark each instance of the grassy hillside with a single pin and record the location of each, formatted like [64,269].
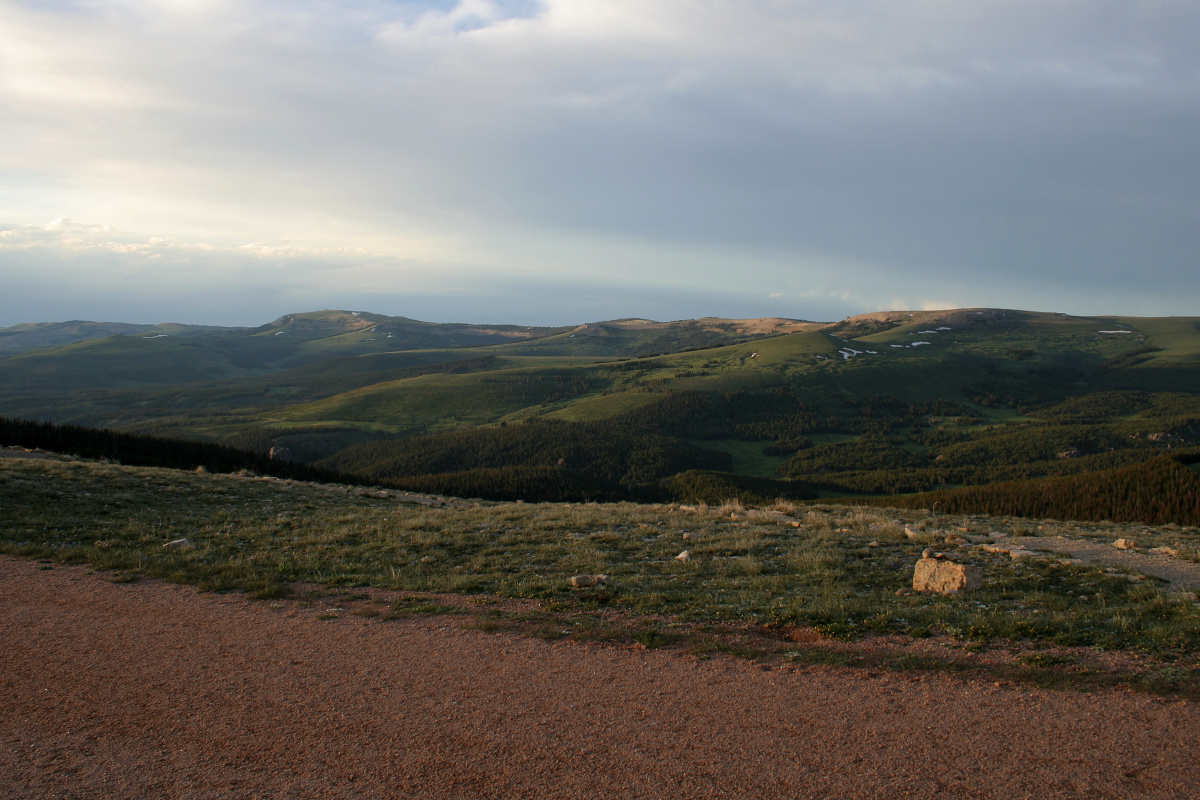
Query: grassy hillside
[878,404]
[40,335]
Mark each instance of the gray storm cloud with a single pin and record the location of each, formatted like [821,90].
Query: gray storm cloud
[824,158]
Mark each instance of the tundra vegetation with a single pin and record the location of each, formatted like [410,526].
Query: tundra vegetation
[803,582]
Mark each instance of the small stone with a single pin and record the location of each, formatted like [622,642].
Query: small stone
[1020,552]
[1164,551]
[911,532]
[584,581]
[686,555]
[872,544]
[1125,544]
[955,539]
[927,553]
[176,544]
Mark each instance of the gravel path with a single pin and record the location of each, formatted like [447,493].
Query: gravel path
[1183,574]
[153,690]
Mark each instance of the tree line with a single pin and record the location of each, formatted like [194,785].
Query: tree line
[154,451]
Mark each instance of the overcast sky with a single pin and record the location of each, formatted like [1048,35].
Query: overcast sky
[556,161]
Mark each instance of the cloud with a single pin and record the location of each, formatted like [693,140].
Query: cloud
[996,150]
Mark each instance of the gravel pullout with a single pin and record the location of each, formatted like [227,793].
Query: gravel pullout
[154,690]
[1183,574]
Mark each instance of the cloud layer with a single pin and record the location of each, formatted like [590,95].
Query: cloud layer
[803,158]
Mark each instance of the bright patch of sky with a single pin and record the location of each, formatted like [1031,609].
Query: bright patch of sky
[556,161]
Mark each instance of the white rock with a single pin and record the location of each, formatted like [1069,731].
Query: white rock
[176,544]
[686,555]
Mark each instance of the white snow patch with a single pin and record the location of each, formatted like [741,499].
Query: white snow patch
[822,358]
[1114,331]
[279,332]
[918,344]
[159,336]
[873,352]
[926,331]
[899,345]
[943,328]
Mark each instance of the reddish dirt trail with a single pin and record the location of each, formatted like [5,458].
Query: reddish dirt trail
[152,690]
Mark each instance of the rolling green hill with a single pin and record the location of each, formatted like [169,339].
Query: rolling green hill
[39,335]
[876,404]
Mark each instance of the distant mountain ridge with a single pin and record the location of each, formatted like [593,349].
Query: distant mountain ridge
[34,336]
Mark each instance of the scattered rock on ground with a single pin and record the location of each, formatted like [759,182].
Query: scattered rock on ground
[584,581]
[686,555]
[1164,551]
[1125,544]
[176,544]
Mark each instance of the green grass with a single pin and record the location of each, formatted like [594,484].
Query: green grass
[748,457]
[261,536]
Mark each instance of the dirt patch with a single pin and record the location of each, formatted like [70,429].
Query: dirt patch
[149,689]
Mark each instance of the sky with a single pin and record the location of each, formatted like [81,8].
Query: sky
[560,161]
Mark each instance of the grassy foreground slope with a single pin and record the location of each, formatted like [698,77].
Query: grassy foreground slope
[837,570]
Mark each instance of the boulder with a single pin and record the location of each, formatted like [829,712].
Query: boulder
[939,576]
[911,532]
[1125,544]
